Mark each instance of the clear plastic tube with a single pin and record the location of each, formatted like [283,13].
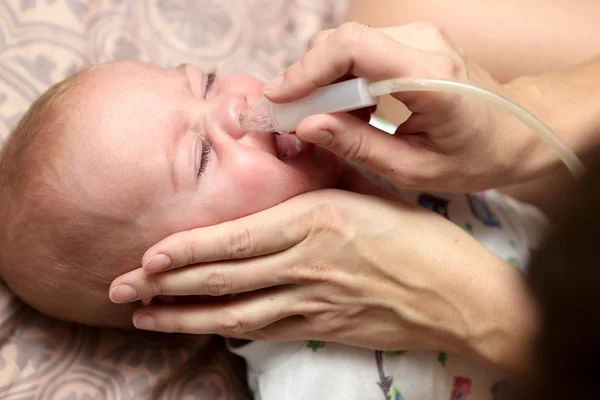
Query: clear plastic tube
[398,85]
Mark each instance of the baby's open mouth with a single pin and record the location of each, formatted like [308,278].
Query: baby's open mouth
[289,146]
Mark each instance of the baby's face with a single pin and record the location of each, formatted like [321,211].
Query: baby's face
[165,147]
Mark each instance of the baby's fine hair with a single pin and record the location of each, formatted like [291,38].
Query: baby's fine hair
[53,255]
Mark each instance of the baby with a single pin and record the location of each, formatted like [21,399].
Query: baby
[112,160]
[108,162]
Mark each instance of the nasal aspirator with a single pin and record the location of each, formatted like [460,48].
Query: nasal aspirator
[266,116]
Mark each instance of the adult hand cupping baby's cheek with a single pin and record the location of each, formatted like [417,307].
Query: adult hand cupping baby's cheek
[209,248]
[316,267]
[261,234]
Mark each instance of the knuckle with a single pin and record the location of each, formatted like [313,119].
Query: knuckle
[437,37]
[319,37]
[240,244]
[328,234]
[217,284]
[432,30]
[330,218]
[323,216]
[350,32]
[157,286]
[190,246]
[317,271]
[232,324]
[359,150]
[447,66]
[303,65]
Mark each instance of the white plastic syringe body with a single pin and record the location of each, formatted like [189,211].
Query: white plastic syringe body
[266,116]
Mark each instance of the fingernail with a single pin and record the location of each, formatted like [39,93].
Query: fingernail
[123,294]
[144,322]
[274,85]
[157,263]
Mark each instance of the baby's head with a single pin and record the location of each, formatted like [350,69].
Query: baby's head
[110,161]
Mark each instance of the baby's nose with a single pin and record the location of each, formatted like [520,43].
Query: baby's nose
[227,113]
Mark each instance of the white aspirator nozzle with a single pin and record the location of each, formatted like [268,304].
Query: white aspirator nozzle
[265,116]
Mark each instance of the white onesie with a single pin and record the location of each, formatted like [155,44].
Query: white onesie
[314,370]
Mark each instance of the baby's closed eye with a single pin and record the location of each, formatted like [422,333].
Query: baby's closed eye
[203,152]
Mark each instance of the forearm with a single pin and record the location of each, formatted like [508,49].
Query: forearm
[569,102]
[460,298]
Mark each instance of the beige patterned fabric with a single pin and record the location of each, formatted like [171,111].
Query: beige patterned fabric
[44,41]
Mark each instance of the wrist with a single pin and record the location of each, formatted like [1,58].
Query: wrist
[531,156]
[480,307]
[504,324]
[567,101]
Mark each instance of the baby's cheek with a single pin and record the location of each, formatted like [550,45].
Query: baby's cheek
[256,183]
[255,186]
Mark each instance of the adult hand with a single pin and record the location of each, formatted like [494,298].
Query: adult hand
[318,267]
[450,142]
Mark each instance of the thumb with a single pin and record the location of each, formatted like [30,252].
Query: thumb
[355,140]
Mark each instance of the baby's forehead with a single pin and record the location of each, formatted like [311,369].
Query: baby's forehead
[117,137]
[128,74]
[142,90]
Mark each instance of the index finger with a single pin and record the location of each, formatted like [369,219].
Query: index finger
[351,49]
[397,33]
[265,232]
